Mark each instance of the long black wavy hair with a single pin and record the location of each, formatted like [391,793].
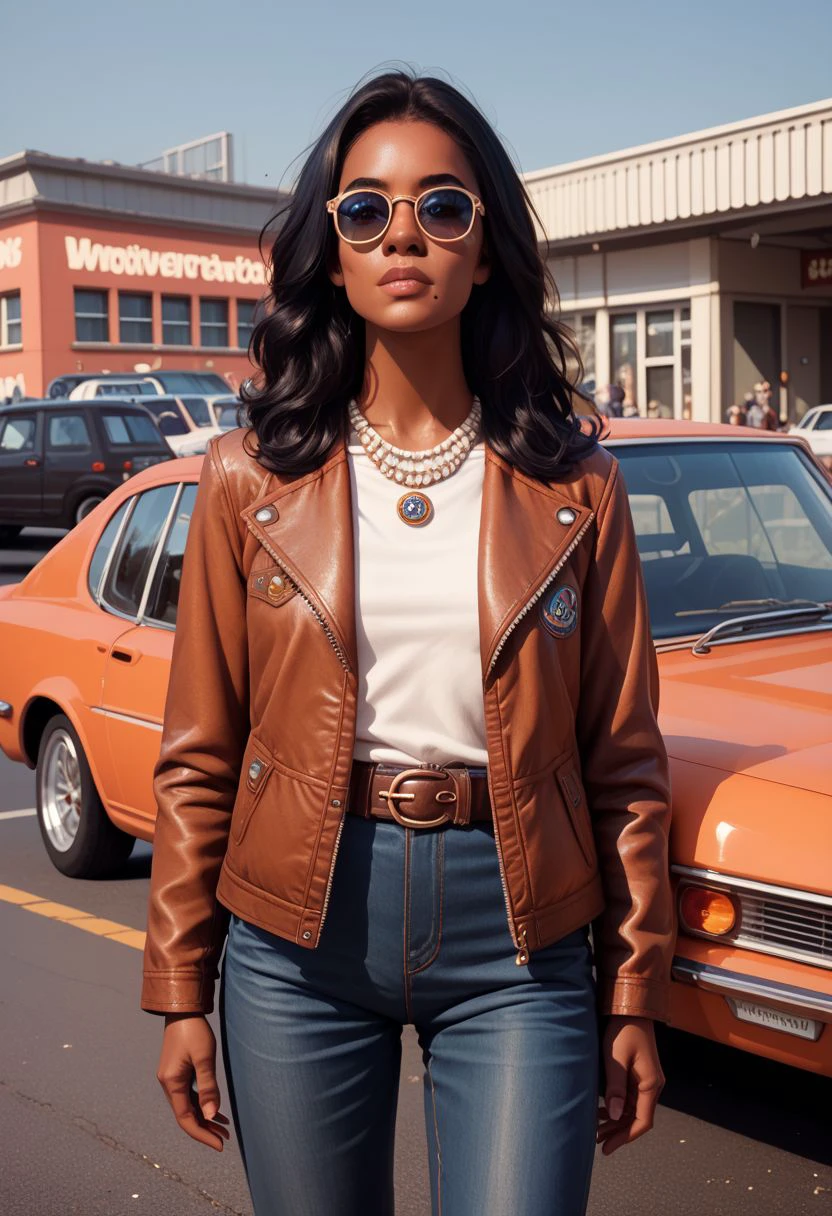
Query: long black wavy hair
[309,346]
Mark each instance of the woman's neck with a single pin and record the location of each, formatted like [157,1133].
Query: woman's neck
[415,393]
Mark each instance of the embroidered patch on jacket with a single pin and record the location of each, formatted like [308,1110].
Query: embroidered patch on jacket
[559,611]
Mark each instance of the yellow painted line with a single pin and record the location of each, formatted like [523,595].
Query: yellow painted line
[74,916]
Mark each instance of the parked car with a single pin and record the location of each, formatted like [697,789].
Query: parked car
[734,527]
[229,414]
[181,418]
[816,428]
[157,382]
[59,459]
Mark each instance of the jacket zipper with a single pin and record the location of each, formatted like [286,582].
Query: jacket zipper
[333,641]
[518,931]
[530,603]
[331,873]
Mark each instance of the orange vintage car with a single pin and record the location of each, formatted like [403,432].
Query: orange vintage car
[735,532]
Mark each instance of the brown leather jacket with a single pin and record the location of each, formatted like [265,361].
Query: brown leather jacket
[265,670]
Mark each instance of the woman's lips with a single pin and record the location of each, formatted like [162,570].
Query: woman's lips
[404,287]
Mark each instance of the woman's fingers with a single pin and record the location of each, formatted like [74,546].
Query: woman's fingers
[187,1074]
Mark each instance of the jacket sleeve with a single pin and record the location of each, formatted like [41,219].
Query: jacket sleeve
[625,770]
[196,775]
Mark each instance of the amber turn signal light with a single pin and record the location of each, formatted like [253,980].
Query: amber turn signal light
[707,911]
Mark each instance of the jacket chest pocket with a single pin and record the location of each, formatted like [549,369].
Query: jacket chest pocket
[257,767]
[271,586]
[571,787]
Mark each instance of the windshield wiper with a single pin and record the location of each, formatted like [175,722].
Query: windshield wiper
[733,605]
[745,625]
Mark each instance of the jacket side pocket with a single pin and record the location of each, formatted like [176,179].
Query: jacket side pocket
[257,768]
[571,786]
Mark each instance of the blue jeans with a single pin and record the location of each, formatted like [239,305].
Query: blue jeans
[416,932]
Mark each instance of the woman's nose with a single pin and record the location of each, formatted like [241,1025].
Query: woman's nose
[404,235]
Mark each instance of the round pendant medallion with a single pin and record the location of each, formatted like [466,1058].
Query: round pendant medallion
[414,508]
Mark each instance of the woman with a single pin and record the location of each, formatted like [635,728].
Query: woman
[415,559]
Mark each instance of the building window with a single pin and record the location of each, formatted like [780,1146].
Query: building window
[91,324]
[10,328]
[245,321]
[650,351]
[583,333]
[176,320]
[135,318]
[213,322]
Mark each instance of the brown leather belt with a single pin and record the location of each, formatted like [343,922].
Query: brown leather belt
[423,797]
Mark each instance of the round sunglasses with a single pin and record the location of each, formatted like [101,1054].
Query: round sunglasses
[445,213]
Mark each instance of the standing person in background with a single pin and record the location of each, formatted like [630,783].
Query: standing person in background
[615,394]
[754,416]
[411,762]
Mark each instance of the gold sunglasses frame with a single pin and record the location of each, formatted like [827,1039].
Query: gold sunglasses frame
[334,203]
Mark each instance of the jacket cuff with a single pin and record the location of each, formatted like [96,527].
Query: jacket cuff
[176,992]
[632,996]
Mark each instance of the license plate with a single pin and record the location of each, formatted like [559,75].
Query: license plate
[775,1019]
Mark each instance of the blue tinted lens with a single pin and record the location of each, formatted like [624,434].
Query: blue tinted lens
[446,213]
[363,215]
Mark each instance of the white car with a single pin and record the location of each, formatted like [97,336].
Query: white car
[816,428]
[110,386]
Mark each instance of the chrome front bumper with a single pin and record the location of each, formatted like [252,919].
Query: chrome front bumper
[735,983]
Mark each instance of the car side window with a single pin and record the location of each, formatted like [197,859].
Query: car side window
[823,422]
[164,591]
[18,435]
[124,586]
[98,561]
[68,431]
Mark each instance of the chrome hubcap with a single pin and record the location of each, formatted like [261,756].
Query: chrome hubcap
[60,792]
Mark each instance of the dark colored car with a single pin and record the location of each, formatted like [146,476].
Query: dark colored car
[59,459]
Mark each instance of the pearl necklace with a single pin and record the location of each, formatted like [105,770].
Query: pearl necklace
[423,467]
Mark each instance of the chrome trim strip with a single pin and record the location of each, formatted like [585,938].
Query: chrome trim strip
[717,979]
[792,441]
[114,713]
[717,878]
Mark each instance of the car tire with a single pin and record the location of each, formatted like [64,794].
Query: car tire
[80,838]
[84,505]
[9,532]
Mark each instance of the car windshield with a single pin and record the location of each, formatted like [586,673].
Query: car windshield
[727,529]
[167,415]
[191,382]
[126,430]
[197,407]
[123,388]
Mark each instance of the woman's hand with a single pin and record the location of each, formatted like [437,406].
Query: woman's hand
[189,1047]
[634,1080]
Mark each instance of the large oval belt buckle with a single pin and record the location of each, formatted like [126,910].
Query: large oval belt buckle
[392,793]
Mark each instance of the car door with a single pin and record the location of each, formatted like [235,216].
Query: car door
[21,467]
[145,579]
[67,455]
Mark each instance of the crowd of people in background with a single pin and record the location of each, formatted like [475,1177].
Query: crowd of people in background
[756,409]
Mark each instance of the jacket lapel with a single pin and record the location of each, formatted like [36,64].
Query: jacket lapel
[310,533]
[521,541]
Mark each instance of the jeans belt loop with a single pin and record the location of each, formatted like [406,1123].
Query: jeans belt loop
[462,782]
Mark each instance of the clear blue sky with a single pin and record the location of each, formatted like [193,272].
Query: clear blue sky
[559,80]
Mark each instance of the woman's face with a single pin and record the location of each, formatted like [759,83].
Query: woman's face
[407,158]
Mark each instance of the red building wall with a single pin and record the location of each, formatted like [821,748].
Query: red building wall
[46,258]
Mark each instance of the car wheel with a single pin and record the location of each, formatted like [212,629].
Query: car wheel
[80,838]
[9,532]
[87,504]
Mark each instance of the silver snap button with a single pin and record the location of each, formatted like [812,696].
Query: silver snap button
[275,586]
[254,769]
[335,802]
[307,936]
[566,516]
[265,515]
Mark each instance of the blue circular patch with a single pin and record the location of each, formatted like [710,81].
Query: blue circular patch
[559,611]
[414,508]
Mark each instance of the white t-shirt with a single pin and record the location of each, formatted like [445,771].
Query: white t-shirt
[420,696]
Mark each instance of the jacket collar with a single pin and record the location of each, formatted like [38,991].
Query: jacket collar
[521,541]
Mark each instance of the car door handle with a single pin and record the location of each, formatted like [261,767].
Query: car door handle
[32,463]
[125,656]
